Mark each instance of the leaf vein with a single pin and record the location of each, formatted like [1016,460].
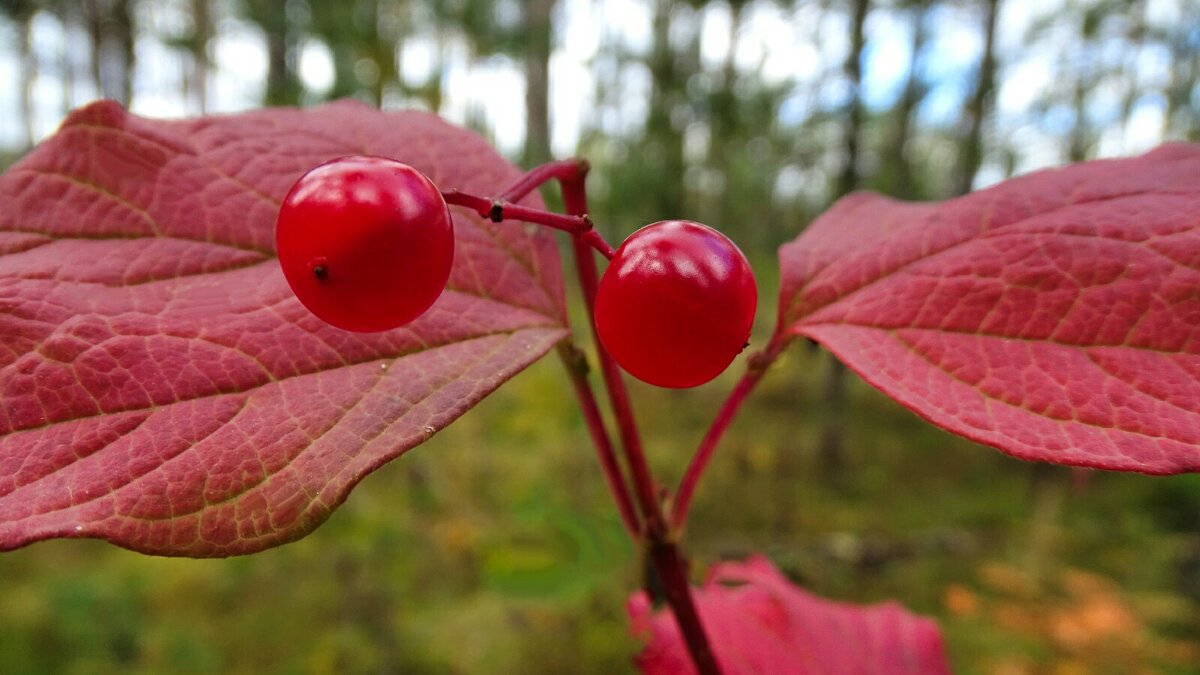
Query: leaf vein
[1000,231]
[912,348]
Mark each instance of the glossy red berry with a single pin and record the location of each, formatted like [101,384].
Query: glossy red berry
[366,243]
[676,304]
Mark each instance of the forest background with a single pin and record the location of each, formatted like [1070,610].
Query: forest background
[493,548]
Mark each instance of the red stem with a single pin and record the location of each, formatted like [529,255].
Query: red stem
[756,366]
[576,366]
[572,359]
[672,572]
[563,170]
[664,552]
[500,209]
[592,238]
[575,200]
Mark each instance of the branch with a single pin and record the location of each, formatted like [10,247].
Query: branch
[498,210]
[576,365]
[663,550]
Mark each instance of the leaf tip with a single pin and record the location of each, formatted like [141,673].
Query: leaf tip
[102,113]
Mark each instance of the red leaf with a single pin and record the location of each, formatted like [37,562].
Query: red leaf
[764,625]
[1055,316]
[161,387]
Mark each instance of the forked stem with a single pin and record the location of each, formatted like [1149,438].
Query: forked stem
[580,226]
[652,528]
[663,550]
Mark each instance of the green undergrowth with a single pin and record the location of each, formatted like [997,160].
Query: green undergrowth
[494,548]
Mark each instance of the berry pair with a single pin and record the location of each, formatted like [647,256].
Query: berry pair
[366,244]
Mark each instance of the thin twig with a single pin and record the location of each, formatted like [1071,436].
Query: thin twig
[562,170]
[499,210]
[756,366]
[576,367]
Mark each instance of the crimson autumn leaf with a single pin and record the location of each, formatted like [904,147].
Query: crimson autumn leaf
[1055,316]
[161,387]
[759,622]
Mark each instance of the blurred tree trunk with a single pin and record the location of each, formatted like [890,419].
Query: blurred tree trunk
[538,48]
[436,86]
[831,449]
[971,148]
[664,142]
[21,14]
[382,37]
[1137,41]
[1079,141]
[1181,119]
[897,178]
[373,49]
[279,76]
[202,33]
[283,82]
[70,15]
[849,177]
[1082,138]
[111,29]
[723,123]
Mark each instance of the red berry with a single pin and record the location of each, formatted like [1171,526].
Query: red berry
[676,304]
[366,243]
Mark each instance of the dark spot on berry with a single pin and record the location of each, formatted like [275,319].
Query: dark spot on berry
[319,267]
